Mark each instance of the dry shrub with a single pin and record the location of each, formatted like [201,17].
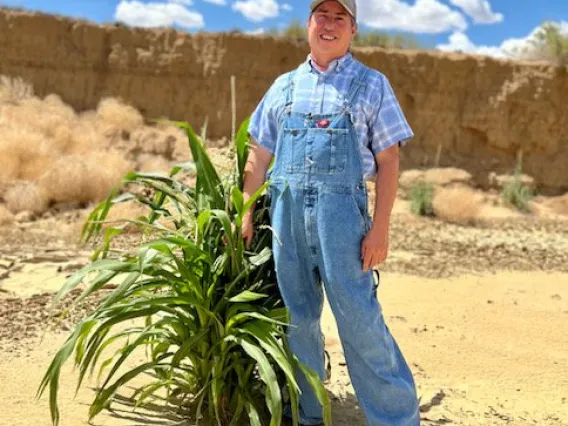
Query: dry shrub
[113,114]
[24,153]
[153,163]
[9,155]
[6,216]
[48,115]
[26,196]
[75,158]
[87,136]
[84,178]
[458,204]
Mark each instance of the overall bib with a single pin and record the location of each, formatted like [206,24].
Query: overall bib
[319,217]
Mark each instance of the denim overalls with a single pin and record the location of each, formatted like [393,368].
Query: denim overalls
[319,217]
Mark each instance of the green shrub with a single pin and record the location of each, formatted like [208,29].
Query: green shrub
[549,43]
[517,194]
[421,195]
[207,310]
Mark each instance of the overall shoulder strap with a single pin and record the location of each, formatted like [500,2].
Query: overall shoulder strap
[289,88]
[358,83]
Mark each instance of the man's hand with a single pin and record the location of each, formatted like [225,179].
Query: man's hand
[247,230]
[255,171]
[375,246]
[374,249]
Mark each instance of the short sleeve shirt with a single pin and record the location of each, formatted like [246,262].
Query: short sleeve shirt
[378,119]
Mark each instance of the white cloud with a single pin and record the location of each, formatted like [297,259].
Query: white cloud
[257,10]
[479,10]
[158,14]
[425,16]
[258,31]
[186,2]
[509,48]
[459,42]
[217,2]
[286,7]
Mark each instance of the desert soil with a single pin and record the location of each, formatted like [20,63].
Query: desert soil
[479,312]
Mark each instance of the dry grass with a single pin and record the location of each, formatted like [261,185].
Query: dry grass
[458,204]
[84,178]
[62,156]
[25,196]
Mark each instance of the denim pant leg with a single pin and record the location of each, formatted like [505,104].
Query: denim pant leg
[383,383]
[302,293]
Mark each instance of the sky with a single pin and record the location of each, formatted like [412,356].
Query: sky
[491,27]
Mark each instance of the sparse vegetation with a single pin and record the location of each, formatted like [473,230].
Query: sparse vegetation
[549,43]
[58,156]
[517,194]
[421,195]
[297,30]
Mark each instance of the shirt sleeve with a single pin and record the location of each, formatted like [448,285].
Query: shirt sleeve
[263,123]
[388,124]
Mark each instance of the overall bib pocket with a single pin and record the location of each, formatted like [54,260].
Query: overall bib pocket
[316,150]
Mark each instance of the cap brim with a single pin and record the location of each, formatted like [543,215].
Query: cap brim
[316,3]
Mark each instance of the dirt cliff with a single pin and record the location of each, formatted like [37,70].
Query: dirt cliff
[470,112]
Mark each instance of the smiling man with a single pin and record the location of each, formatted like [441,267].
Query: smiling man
[332,124]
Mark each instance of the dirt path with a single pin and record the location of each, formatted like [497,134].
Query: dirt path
[485,350]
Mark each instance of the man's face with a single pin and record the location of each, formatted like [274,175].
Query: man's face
[330,30]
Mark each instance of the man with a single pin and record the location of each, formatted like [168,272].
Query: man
[332,124]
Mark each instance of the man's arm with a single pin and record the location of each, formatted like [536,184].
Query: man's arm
[374,248]
[255,174]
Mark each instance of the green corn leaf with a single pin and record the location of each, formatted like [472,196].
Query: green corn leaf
[319,390]
[241,142]
[254,197]
[261,258]
[261,332]
[247,296]
[208,182]
[268,376]
[238,203]
[253,414]
[244,316]
[104,396]
[53,372]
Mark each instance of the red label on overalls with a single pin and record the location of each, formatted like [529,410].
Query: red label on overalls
[323,123]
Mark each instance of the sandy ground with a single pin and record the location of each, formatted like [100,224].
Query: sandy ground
[480,314]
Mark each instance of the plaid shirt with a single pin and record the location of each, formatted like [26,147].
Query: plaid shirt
[377,117]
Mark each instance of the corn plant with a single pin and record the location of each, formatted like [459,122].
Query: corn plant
[206,309]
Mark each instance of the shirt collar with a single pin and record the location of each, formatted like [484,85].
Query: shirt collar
[334,66]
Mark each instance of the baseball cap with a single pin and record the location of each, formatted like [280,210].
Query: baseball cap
[349,5]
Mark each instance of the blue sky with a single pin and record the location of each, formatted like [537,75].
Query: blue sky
[481,26]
